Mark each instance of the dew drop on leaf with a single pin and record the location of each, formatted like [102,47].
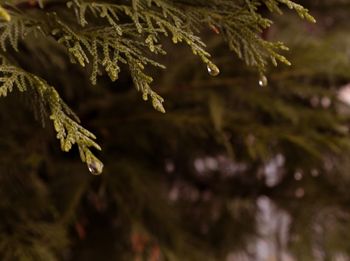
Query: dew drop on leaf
[95,167]
[213,70]
[263,81]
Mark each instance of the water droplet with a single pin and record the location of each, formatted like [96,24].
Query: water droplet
[213,70]
[95,167]
[263,81]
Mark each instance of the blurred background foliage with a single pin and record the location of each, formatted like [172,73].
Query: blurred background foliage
[233,170]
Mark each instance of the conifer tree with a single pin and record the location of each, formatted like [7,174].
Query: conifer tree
[170,188]
[107,35]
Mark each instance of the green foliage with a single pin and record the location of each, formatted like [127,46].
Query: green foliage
[65,121]
[180,186]
[108,36]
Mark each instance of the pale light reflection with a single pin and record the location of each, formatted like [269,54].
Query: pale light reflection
[272,170]
[344,94]
[274,236]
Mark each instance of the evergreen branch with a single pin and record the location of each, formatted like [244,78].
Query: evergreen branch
[106,49]
[163,19]
[240,23]
[241,26]
[272,5]
[115,34]
[16,29]
[40,246]
[66,124]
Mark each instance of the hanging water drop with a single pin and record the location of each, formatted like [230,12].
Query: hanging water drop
[213,70]
[95,166]
[263,80]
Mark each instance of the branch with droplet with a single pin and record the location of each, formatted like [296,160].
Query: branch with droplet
[65,122]
[152,21]
[66,125]
[69,131]
[263,80]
